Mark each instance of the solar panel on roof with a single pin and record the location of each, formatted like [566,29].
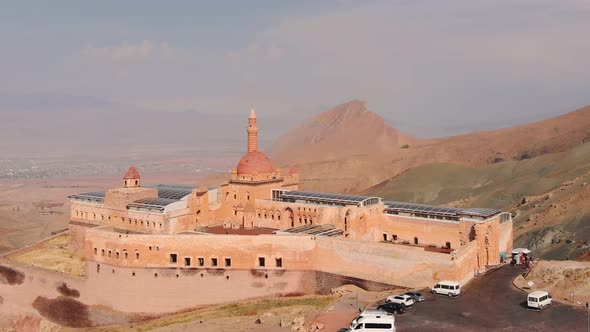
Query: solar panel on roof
[420,209]
[481,212]
[327,198]
[92,196]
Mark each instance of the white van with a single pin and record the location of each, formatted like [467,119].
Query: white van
[538,299]
[375,313]
[374,324]
[446,287]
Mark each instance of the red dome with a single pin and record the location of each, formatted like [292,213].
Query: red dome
[255,162]
[131,173]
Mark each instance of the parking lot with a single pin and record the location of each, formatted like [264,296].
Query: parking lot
[490,303]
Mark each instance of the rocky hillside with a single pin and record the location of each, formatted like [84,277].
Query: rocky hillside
[548,196]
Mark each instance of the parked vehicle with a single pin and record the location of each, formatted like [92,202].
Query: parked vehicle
[394,308]
[406,300]
[446,287]
[538,299]
[370,313]
[375,324]
[418,297]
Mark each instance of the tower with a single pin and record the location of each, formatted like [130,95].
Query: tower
[252,132]
[131,178]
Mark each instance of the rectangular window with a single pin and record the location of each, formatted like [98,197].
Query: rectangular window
[279,262]
[213,261]
[173,258]
[394,237]
[187,261]
[261,261]
[201,261]
[228,262]
[384,236]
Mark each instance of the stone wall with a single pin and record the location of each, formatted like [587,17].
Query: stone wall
[506,237]
[426,231]
[380,262]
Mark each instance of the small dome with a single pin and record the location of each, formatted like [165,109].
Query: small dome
[131,173]
[293,171]
[254,162]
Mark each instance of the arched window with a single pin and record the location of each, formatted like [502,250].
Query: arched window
[415,240]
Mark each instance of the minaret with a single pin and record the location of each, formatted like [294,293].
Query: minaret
[252,132]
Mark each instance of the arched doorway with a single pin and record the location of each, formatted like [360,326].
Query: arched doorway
[197,218]
[288,218]
[487,245]
[346,220]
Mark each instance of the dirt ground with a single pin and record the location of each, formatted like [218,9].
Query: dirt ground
[307,313]
[53,254]
[559,278]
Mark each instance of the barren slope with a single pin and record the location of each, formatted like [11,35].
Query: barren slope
[347,130]
[553,220]
[349,149]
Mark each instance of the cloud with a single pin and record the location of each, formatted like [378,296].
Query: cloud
[128,52]
[256,52]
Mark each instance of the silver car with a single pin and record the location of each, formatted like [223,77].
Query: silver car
[418,297]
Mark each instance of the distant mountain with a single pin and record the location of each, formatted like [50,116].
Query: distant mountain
[58,126]
[346,130]
[349,149]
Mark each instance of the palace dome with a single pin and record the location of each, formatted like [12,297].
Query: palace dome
[255,162]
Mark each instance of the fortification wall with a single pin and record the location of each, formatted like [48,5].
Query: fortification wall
[21,284]
[465,264]
[381,262]
[154,284]
[506,237]
[244,252]
[426,231]
[132,220]
[172,289]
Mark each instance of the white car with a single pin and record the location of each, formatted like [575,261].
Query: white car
[404,299]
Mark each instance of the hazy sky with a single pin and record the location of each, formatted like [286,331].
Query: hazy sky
[439,66]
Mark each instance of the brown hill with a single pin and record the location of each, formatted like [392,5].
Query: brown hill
[349,149]
[547,136]
[349,129]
